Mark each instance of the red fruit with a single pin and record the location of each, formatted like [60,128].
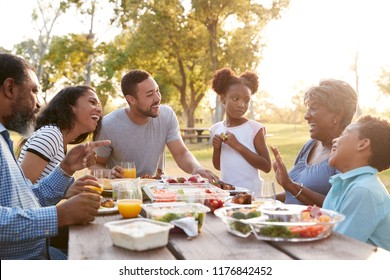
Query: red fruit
[171,181]
[181,180]
[220,203]
[214,204]
[193,179]
[208,191]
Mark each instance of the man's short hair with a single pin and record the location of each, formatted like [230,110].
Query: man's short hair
[131,80]
[12,66]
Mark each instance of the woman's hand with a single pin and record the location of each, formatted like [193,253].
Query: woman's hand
[280,169]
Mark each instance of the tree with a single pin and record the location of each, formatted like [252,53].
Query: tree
[44,16]
[250,17]
[184,42]
[384,81]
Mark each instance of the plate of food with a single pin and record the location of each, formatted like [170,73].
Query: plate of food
[233,190]
[107,206]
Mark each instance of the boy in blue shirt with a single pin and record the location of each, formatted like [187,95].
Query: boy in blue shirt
[359,153]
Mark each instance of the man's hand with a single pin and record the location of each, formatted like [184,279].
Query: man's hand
[79,186]
[206,174]
[79,209]
[81,156]
[116,172]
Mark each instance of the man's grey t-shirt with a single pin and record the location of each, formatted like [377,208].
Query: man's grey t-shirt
[143,144]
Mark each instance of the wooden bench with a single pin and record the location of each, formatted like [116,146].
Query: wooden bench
[195,134]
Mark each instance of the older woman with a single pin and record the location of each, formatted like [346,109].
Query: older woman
[330,108]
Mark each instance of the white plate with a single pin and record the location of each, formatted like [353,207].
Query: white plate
[104,210]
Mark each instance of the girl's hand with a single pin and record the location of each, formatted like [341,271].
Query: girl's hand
[217,141]
[231,140]
[280,169]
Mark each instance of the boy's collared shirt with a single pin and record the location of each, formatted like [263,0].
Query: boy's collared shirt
[365,202]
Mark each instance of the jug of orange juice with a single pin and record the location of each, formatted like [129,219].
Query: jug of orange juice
[129,198]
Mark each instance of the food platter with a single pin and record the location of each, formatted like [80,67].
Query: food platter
[288,223]
[105,211]
[270,202]
[237,190]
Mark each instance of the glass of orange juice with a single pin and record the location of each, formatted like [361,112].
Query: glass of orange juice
[129,170]
[129,198]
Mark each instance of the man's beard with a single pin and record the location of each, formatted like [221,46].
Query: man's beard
[21,121]
[148,113]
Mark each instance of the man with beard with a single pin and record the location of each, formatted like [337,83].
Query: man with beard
[139,133]
[28,213]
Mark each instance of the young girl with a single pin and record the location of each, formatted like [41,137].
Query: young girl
[239,145]
[69,118]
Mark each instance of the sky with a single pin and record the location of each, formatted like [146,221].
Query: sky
[313,40]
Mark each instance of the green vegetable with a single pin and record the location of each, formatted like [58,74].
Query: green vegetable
[241,227]
[238,215]
[277,231]
[253,214]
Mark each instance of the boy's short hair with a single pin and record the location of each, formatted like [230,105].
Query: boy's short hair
[378,131]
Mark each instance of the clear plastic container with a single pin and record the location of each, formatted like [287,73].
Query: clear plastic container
[238,218]
[191,193]
[169,211]
[294,223]
[139,234]
[287,222]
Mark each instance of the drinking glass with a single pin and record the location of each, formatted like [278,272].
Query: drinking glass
[103,177]
[128,169]
[129,198]
[267,194]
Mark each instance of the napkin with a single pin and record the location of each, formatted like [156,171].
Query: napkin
[188,224]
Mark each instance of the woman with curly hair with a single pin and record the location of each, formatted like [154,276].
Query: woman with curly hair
[69,118]
[239,144]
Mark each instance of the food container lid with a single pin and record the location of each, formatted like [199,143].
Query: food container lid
[184,192]
[122,226]
[176,207]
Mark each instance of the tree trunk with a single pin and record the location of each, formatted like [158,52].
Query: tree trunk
[212,28]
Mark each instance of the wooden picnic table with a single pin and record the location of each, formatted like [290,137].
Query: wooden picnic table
[93,242]
[195,133]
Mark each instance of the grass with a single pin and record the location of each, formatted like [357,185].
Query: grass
[288,138]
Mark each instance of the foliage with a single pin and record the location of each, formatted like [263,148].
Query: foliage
[384,81]
[182,42]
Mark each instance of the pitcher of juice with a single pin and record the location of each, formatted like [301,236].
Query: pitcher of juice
[129,198]
[129,170]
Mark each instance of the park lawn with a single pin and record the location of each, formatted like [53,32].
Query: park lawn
[288,138]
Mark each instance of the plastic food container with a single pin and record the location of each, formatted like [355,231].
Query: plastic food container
[294,223]
[191,193]
[238,218]
[287,222]
[139,234]
[169,211]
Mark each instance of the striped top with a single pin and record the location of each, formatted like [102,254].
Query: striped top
[47,143]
